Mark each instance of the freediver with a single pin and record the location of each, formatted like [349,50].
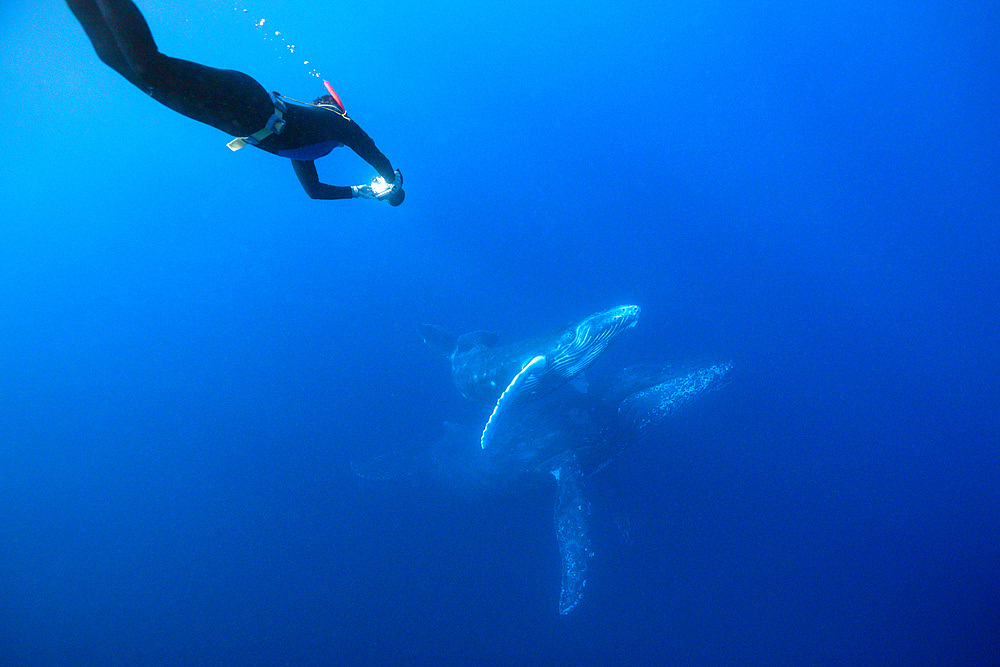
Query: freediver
[235,103]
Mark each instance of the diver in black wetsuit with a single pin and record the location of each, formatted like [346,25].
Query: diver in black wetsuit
[234,103]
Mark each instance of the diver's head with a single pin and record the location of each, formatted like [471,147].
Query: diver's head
[396,198]
[328,102]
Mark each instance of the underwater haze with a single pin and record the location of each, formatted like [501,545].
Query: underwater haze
[193,352]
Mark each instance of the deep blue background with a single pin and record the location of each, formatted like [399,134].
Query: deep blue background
[191,350]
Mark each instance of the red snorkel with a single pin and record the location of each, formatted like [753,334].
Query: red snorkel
[334,95]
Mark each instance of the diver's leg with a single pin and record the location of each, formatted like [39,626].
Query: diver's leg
[89,15]
[225,99]
[130,31]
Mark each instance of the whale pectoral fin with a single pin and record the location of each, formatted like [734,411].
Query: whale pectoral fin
[645,409]
[437,338]
[571,513]
[508,397]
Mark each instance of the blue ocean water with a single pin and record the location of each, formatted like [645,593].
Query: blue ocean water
[192,351]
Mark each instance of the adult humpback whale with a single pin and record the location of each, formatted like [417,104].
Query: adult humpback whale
[564,435]
[510,374]
[568,436]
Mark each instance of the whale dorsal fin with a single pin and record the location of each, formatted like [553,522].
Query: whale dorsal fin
[475,338]
[438,338]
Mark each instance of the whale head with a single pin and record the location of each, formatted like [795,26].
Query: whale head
[581,343]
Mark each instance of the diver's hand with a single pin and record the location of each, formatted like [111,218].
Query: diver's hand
[387,191]
[382,191]
[395,197]
[362,191]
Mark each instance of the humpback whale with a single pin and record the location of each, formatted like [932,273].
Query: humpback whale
[565,436]
[509,374]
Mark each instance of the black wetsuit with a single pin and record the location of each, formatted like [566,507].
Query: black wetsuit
[225,99]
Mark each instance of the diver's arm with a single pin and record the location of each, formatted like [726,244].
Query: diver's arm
[306,171]
[362,144]
[352,136]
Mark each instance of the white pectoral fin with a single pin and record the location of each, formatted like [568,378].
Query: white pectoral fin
[508,396]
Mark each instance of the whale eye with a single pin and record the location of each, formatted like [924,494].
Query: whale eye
[568,336]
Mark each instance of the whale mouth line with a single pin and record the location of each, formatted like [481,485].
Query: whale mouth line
[586,348]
